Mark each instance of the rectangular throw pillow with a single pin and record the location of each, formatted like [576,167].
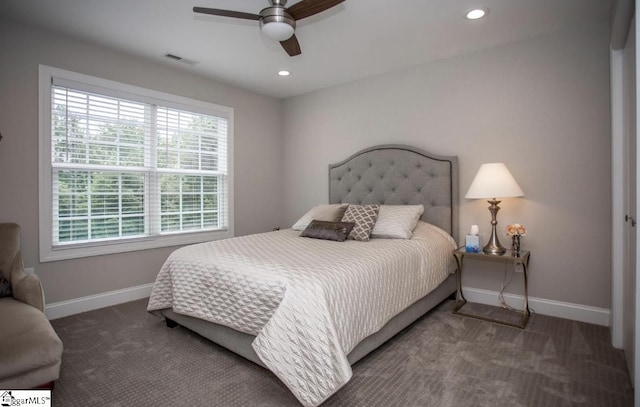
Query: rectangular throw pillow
[364,216]
[329,213]
[336,231]
[397,221]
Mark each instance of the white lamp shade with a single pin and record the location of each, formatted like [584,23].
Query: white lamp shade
[277,31]
[494,180]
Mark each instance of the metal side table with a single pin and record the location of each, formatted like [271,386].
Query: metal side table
[460,254]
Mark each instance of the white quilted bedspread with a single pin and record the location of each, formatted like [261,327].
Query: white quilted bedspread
[309,302]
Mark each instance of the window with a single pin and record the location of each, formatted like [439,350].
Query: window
[125,168]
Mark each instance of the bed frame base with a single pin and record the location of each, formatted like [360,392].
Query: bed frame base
[240,343]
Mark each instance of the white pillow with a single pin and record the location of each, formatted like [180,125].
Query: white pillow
[397,221]
[329,213]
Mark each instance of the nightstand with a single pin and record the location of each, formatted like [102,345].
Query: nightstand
[460,254]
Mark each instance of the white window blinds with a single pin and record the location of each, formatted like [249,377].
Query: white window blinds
[191,162]
[131,167]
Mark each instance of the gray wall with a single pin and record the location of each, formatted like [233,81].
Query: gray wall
[541,106]
[258,150]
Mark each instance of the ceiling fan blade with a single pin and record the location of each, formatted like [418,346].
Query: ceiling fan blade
[307,8]
[292,46]
[226,13]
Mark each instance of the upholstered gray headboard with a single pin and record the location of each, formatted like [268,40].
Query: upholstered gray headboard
[400,175]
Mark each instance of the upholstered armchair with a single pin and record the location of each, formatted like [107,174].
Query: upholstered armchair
[30,350]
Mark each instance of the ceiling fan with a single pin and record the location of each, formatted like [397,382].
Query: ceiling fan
[278,22]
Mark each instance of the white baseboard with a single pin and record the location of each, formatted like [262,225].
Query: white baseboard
[89,303]
[576,312]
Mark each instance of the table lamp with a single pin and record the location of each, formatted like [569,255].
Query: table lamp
[493,181]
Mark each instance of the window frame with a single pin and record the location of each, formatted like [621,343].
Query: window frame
[49,252]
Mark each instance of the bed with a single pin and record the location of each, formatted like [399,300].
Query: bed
[290,312]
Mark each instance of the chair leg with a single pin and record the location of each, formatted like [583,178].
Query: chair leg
[45,386]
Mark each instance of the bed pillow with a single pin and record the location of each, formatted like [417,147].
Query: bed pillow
[329,213]
[397,221]
[320,229]
[364,216]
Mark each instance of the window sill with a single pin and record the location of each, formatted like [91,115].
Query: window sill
[120,246]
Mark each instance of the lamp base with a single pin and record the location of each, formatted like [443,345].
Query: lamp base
[492,249]
[494,246]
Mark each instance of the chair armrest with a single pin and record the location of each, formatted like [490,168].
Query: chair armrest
[25,285]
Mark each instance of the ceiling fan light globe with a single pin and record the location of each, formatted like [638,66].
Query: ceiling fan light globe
[277,31]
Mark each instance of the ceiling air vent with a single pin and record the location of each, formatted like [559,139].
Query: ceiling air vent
[180,59]
[174,57]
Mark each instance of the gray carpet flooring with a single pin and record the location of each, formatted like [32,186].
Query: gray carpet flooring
[123,356]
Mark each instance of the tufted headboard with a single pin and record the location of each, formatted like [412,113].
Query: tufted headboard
[400,175]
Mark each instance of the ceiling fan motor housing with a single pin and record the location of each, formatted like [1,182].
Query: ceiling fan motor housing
[277,14]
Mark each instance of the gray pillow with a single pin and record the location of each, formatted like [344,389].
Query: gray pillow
[336,231]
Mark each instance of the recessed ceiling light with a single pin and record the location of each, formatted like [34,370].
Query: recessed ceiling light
[284,73]
[477,13]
